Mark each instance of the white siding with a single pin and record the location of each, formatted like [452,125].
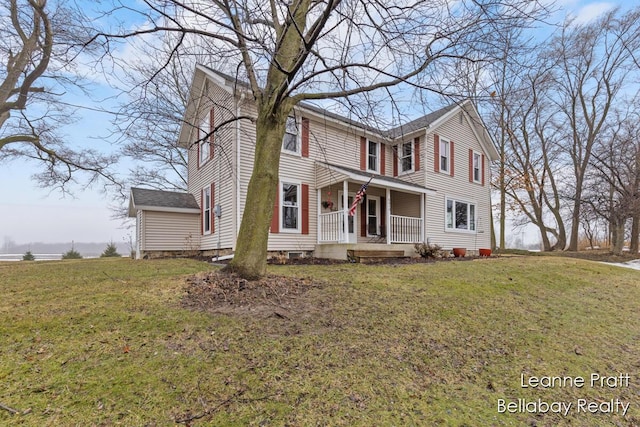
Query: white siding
[340,145]
[219,170]
[457,187]
[168,231]
[405,204]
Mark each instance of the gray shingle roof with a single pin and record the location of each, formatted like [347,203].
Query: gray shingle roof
[414,125]
[162,199]
[379,178]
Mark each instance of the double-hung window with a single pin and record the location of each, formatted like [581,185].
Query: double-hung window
[204,139]
[290,202]
[477,167]
[445,156]
[405,157]
[290,143]
[373,156]
[206,210]
[460,216]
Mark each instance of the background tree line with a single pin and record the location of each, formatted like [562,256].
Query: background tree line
[564,113]
[563,110]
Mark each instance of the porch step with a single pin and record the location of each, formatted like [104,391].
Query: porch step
[364,256]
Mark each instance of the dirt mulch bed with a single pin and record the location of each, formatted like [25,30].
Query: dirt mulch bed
[272,296]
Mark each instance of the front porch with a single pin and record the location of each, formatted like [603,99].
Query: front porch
[402,229]
[391,212]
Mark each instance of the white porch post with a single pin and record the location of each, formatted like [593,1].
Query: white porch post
[345,215]
[422,217]
[318,211]
[388,215]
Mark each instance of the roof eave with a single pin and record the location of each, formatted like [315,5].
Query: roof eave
[379,180]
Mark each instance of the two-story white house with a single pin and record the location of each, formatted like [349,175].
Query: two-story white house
[428,180]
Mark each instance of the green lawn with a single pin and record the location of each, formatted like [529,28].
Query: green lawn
[107,342]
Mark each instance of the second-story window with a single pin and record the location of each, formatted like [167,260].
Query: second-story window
[477,171]
[204,146]
[290,141]
[373,156]
[406,157]
[445,157]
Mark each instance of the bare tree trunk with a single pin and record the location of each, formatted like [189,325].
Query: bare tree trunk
[635,234]
[249,259]
[617,235]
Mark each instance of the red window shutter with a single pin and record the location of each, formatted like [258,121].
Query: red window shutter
[363,217]
[451,161]
[416,154]
[436,153]
[275,219]
[201,211]
[304,150]
[363,153]
[383,159]
[395,160]
[212,217]
[483,170]
[305,208]
[212,127]
[470,165]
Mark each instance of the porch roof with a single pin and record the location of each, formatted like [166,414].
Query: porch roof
[356,175]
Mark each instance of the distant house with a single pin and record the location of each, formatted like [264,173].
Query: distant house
[429,180]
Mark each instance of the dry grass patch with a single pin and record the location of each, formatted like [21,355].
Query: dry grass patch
[110,342]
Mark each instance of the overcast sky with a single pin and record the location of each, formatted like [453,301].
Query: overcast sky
[30,214]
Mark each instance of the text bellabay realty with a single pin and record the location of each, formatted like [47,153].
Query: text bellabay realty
[595,380]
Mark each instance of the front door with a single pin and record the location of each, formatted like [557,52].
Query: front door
[353,237]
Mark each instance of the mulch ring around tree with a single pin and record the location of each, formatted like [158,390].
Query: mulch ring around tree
[271,296]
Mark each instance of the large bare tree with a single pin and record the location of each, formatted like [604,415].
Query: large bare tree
[38,41]
[594,63]
[314,50]
[613,189]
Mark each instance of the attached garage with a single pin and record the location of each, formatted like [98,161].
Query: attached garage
[167,222]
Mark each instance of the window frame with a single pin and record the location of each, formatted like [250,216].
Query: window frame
[446,155]
[376,156]
[298,137]
[477,167]
[471,212]
[207,208]
[297,206]
[402,156]
[376,216]
[204,139]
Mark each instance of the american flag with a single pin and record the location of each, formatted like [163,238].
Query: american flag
[359,196]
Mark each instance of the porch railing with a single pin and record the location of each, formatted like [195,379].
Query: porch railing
[405,229]
[330,227]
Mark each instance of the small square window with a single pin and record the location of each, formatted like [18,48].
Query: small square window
[460,216]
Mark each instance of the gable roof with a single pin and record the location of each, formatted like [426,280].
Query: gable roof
[164,201]
[428,121]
